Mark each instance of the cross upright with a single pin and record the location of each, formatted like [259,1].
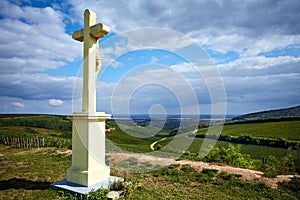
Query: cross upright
[90,35]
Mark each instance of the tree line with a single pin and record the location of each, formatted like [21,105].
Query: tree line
[42,121]
[248,139]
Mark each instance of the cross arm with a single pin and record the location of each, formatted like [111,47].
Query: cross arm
[78,35]
[97,31]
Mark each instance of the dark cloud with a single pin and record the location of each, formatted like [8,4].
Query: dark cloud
[185,16]
[36,86]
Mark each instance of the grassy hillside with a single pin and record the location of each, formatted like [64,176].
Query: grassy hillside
[27,174]
[279,113]
[50,127]
[255,151]
[53,122]
[289,130]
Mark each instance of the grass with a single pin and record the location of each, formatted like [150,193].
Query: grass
[256,152]
[26,174]
[130,143]
[289,130]
[41,131]
[141,143]
[52,122]
[183,182]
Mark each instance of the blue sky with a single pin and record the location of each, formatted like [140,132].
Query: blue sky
[252,48]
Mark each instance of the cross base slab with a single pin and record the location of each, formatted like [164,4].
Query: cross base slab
[87,178]
[84,190]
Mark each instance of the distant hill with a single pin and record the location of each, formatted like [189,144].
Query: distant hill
[271,114]
[54,122]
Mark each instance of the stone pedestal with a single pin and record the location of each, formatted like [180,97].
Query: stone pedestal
[88,149]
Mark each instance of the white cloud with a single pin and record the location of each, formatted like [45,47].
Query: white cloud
[55,102]
[141,39]
[34,39]
[260,65]
[33,106]
[257,26]
[154,59]
[264,82]
[36,86]
[18,104]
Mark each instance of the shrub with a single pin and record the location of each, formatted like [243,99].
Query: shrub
[230,155]
[273,166]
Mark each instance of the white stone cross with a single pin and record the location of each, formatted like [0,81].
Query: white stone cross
[89,170]
[88,127]
[90,35]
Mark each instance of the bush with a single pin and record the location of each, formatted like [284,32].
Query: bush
[273,166]
[230,155]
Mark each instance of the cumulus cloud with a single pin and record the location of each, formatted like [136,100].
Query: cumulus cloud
[33,39]
[55,102]
[18,104]
[139,39]
[223,25]
[36,86]
[264,82]
[33,106]
[177,91]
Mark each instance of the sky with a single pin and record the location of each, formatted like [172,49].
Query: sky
[170,57]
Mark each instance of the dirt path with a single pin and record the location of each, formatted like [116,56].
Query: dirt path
[246,174]
[154,143]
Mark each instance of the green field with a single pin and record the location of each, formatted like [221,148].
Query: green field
[51,122]
[289,130]
[256,152]
[33,130]
[138,141]
[46,125]
[129,142]
[26,174]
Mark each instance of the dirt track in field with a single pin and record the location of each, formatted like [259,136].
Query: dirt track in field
[246,174]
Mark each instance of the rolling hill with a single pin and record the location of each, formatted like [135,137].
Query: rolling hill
[271,114]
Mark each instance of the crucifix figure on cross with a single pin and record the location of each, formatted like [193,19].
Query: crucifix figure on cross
[90,35]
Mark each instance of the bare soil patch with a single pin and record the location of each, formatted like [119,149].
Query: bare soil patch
[62,152]
[246,174]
